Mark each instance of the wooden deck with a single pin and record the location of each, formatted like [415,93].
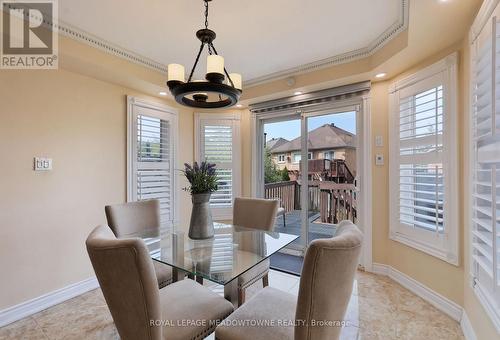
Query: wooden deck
[293,226]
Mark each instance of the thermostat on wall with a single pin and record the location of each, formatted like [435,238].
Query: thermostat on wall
[42,164]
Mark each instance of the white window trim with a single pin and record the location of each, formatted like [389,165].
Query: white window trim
[132,103]
[446,248]
[284,158]
[225,213]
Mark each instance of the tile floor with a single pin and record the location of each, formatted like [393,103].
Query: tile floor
[379,309]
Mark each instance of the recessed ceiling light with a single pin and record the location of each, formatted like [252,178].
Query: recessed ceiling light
[297,93]
[163,93]
[239,105]
[380,75]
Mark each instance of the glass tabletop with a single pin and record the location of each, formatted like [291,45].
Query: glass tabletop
[232,251]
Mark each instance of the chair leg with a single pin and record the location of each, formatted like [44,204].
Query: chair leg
[199,279]
[241,296]
[265,280]
[191,276]
[284,220]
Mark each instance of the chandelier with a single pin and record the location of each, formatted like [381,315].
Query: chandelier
[216,91]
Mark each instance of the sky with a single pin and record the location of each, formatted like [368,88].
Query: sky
[291,129]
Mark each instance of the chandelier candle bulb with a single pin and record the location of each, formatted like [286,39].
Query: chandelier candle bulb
[236,78]
[215,64]
[175,72]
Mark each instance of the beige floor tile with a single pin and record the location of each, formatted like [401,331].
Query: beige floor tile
[23,329]
[379,309]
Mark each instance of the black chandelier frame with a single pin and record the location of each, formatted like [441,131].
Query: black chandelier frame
[215,81]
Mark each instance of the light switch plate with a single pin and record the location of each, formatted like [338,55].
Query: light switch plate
[379,159]
[379,141]
[42,164]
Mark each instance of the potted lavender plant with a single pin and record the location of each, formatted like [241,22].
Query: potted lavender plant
[203,181]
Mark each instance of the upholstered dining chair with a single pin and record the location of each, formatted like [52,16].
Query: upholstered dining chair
[258,214]
[324,293]
[132,217]
[139,308]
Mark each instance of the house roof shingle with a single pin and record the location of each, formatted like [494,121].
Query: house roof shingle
[327,136]
[276,142]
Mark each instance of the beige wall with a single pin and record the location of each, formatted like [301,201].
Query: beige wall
[45,217]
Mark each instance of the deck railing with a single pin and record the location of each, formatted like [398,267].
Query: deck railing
[287,192]
[335,202]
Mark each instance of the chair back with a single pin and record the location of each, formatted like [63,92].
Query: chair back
[127,279]
[255,213]
[326,283]
[132,217]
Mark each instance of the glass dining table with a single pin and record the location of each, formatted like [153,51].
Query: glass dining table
[222,259]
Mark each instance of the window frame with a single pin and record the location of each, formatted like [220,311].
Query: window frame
[293,157]
[279,158]
[445,246]
[222,213]
[162,112]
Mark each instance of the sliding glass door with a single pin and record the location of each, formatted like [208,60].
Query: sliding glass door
[308,162]
[331,172]
[281,171]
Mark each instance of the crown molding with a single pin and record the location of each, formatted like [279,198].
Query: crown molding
[89,39]
[482,17]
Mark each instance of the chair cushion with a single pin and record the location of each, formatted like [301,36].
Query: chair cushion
[163,273]
[272,316]
[188,309]
[254,274]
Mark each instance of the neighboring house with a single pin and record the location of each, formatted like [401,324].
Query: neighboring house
[326,142]
[275,142]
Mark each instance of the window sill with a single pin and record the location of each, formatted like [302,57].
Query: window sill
[440,253]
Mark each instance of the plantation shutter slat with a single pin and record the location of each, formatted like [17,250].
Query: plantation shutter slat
[217,147]
[153,162]
[421,186]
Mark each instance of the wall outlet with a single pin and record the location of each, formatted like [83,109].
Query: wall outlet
[42,164]
[379,141]
[379,159]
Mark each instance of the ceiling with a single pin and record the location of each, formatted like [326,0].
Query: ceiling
[257,38]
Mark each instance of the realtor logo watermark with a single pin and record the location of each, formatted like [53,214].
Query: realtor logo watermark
[29,39]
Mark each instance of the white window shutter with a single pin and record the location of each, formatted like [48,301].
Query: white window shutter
[218,141]
[217,148]
[485,169]
[420,160]
[151,157]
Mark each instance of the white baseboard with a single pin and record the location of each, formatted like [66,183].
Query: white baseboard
[467,329]
[437,300]
[45,301]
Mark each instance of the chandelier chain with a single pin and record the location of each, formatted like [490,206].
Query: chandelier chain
[206,13]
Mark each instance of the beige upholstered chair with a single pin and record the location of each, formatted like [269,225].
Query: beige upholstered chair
[258,214]
[130,218]
[139,308]
[324,293]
